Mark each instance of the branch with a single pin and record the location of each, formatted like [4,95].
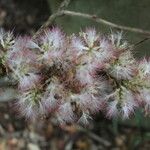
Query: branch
[95,137]
[63,5]
[142,41]
[95,18]
[105,22]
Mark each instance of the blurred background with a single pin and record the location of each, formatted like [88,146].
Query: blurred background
[25,17]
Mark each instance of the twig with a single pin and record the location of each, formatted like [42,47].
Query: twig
[137,43]
[61,11]
[95,137]
[95,18]
[63,5]
[105,22]
[142,41]
[99,139]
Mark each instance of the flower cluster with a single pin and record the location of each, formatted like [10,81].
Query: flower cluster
[74,77]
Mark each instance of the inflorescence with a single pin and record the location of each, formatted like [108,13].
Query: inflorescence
[74,77]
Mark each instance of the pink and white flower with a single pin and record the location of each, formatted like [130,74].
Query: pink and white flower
[90,36]
[124,67]
[29,81]
[122,103]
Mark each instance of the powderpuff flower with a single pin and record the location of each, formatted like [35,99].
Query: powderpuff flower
[101,51]
[103,88]
[52,45]
[121,103]
[22,48]
[21,58]
[22,63]
[29,105]
[144,68]
[22,43]
[65,113]
[118,41]
[6,42]
[50,57]
[53,96]
[123,67]
[53,39]
[76,76]
[121,72]
[104,51]
[84,73]
[6,39]
[112,110]
[84,119]
[88,100]
[89,47]
[22,51]
[78,46]
[29,81]
[90,37]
